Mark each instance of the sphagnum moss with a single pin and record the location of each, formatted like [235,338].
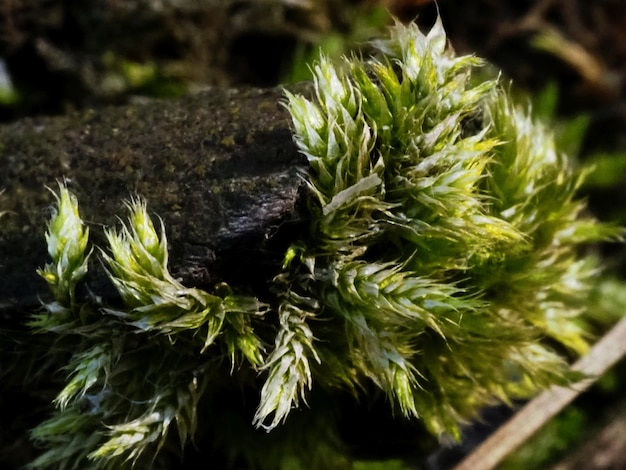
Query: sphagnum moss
[444,248]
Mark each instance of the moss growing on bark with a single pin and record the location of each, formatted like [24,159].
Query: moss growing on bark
[443,267]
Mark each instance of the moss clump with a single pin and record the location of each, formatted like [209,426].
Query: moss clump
[442,267]
[132,372]
[443,262]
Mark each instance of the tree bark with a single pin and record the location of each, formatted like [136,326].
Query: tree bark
[218,167]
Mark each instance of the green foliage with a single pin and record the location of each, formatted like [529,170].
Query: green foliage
[122,76]
[67,241]
[608,170]
[445,236]
[160,304]
[8,94]
[367,21]
[442,266]
[118,402]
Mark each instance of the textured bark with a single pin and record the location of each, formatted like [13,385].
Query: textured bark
[219,167]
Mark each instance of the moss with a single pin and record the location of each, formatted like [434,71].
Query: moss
[440,266]
[445,241]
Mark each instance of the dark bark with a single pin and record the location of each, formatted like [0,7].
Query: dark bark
[219,167]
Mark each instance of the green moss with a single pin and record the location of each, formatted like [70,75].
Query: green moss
[116,405]
[441,266]
[445,240]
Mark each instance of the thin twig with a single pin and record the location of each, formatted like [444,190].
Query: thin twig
[604,354]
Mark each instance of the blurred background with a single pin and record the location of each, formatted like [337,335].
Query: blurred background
[567,57]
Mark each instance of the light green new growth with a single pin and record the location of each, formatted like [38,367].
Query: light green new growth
[67,242]
[444,240]
[158,302]
[119,401]
[442,266]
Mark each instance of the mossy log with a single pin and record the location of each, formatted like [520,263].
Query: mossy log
[218,167]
